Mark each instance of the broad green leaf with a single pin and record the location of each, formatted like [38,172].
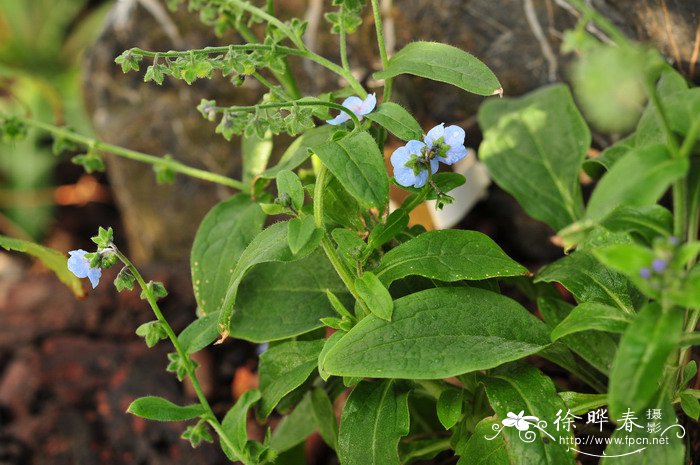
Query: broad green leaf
[200,333]
[627,448]
[325,417]
[288,183]
[397,120]
[580,403]
[638,367]
[478,450]
[396,222]
[350,246]
[650,221]
[235,421]
[341,208]
[690,405]
[270,245]
[592,315]
[518,387]
[443,63]
[53,260]
[159,409]
[597,166]
[330,342]
[438,333]
[375,417]
[375,295]
[256,153]
[683,109]
[534,147]
[638,179]
[629,259]
[303,232]
[300,150]
[295,427]
[285,367]
[589,281]
[689,293]
[596,348]
[449,407]
[280,300]
[222,236]
[448,255]
[359,166]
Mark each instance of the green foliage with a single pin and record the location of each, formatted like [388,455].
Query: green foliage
[159,409]
[397,120]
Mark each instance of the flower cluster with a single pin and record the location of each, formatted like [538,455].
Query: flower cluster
[664,251]
[441,145]
[89,265]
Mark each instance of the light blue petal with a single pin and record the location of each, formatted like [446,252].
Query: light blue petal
[454,155]
[78,264]
[421,179]
[353,103]
[340,119]
[368,105]
[94,275]
[400,157]
[454,136]
[434,165]
[434,134]
[414,146]
[404,175]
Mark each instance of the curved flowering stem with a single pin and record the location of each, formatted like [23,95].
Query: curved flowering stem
[305,53]
[188,364]
[104,147]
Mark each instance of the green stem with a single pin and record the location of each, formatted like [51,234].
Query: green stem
[347,75]
[184,356]
[264,15]
[137,156]
[382,47]
[343,41]
[263,80]
[340,268]
[601,21]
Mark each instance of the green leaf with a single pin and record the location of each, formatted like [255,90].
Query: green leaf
[300,150]
[295,427]
[289,184]
[397,120]
[325,417]
[222,236]
[301,232]
[375,417]
[235,424]
[465,329]
[330,342]
[200,333]
[270,245]
[479,451]
[375,295]
[580,403]
[256,152]
[629,259]
[597,166]
[443,63]
[639,363]
[592,315]
[683,109]
[341,208]
[285,367]
[52,259]
[518,387]
[281,300]
[690,405]
[449,407]
[359,166]
[159,409]
[596,348]
[638,179]
[395,223]
[689,293]
[533,147]
[589,281]
[448,255]
[650,221]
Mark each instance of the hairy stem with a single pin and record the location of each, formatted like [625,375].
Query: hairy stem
[343,41]
[104,147]
[379,26]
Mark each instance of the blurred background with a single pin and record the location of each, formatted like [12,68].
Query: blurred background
[69,369]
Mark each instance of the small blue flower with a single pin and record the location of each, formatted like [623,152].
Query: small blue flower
[659,265]
[411,164]
[80,266]
[645,273]
[447,143]
[356,105]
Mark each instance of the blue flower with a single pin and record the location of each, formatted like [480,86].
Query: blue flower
[659,265]
[80,266]
[447,143]
[356,105]
[411,164]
